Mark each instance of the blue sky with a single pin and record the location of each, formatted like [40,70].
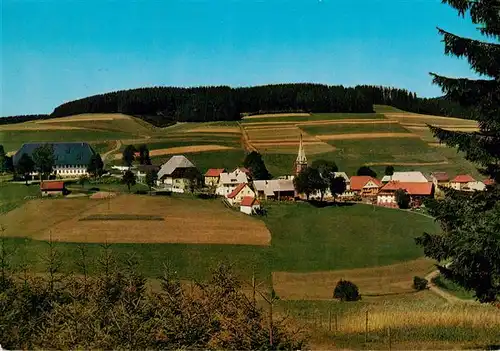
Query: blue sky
[55,51]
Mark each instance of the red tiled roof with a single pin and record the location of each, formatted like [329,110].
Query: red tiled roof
[236,191]
[249,201]
[412,188]
[489,181]
[214,172]
[52,185]
[441,176]
[463,178]
[358,182]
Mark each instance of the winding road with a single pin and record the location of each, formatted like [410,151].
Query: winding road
[112,151]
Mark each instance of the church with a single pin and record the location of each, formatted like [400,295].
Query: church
[301,160]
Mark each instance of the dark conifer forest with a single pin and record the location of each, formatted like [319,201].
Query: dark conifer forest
[164,105]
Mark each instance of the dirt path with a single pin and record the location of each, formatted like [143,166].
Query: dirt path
[116,148]
[245,141]
[452,299]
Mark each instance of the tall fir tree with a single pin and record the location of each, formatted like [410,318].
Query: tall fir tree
[468,247]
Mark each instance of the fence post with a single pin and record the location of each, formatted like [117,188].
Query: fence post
[366,327]
[390,341]
[330,320]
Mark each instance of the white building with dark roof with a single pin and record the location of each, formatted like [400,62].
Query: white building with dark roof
[70,159]
[178,174]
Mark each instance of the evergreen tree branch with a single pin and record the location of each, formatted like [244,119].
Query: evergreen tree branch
[468,92]
[483,57]
[485,12]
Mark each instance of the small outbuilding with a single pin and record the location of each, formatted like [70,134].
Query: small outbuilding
[56,188]
[249,205]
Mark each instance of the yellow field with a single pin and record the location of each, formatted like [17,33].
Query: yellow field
[186,220]
[413,118]
[271,115]
[211,129]
[393,279]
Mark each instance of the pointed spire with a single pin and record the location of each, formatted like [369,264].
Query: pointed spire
[301,157]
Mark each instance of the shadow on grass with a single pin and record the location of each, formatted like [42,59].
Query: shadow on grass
[322,204]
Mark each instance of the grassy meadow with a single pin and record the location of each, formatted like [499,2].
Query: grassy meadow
[307,239]
[310,248]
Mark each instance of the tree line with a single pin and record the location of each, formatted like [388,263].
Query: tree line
[22,118]
[162,106]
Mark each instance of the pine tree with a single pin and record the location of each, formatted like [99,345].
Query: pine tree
[144,158]
[128,155]
[471,223]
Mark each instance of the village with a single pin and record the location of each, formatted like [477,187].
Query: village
[240,190]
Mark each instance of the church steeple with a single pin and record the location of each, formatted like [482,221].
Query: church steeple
[301,161]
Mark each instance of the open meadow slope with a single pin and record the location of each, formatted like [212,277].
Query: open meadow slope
[390,136]
[98,221]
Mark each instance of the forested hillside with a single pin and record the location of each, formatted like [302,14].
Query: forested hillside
[22,118]
[164,105]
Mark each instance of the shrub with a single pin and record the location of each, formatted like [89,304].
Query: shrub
[419,283]
[346,291]
[402,198]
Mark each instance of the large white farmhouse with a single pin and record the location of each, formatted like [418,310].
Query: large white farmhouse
[71,159]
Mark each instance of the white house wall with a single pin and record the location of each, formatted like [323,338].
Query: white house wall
[386,199]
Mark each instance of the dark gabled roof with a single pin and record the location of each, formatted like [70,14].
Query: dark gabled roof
[146,168]
[441,176]
[64,153]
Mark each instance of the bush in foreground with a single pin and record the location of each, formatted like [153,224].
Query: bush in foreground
[420,283]
[115,309]
[346,291]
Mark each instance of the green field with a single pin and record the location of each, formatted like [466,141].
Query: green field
[13,195]
[13,139]
[315,117]
[194,140]
[453,288]
[386,109]
[305,238]
[190,261]
[354,128]
[101,148]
